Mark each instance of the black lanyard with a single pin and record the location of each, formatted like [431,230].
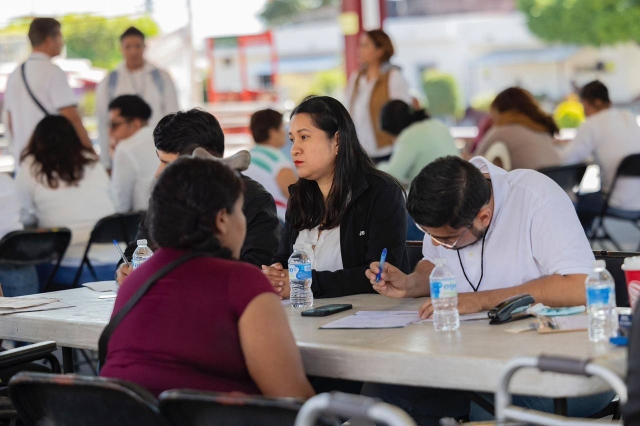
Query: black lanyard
[475,288]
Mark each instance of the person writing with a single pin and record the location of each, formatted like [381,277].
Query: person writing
[344,209]
[212,323]
[502,234]
[180,134]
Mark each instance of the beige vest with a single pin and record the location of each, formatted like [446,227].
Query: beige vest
[379,97]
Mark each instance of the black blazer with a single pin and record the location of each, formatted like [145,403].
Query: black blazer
[376,218]
[263,226]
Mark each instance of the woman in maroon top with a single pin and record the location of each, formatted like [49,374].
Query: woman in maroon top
[213,323]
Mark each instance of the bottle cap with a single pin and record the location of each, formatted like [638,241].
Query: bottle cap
[298,247]
[142,242]
[441,261]
[599,264]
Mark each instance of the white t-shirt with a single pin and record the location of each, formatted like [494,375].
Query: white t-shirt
[609,136]
[534,233]
[139,82]
[134,166]
[49,85]
[360,110]
[327,254]
[9,206]
[266,163]
[78,208]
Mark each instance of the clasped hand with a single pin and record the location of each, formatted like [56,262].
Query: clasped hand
[279,279]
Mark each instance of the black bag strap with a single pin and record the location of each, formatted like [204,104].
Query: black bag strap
[103,343]
[24,78]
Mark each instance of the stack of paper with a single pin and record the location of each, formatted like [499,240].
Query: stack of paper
[12,305]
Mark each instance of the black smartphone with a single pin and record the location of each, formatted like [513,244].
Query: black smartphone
[323,311]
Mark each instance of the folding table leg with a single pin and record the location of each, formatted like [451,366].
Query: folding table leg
[67,360]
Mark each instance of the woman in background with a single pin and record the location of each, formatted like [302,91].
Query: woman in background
[61,183]
[377,82]
[526,130]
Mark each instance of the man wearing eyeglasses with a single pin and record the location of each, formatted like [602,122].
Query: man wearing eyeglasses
[502,234]
[134,154]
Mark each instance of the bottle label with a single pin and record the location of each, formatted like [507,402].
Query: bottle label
[300,271]
[598,295]
[444,288]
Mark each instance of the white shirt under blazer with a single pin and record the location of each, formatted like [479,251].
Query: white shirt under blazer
[534,232]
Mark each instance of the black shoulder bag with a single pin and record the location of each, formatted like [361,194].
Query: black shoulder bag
[103,343]
[24,78]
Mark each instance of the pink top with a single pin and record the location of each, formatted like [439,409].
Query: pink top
[184,332]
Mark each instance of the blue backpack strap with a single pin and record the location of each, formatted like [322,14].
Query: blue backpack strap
[159,83]
[113,81]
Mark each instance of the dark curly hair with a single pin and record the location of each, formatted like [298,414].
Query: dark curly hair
[58,152]
[185,201]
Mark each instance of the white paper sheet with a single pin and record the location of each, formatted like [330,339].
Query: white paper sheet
[55,304]
[13,303]
[375,319]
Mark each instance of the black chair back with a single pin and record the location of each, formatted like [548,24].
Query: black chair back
[55,400]
[194,408]
[629,166]
[414,253]
[567,177]
[121,227]
[614,260]
[33,247]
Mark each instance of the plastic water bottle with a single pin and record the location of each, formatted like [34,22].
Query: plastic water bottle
[444,297]
[142,254]
[601,303]
[300,278]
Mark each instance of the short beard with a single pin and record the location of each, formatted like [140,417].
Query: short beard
[478,233]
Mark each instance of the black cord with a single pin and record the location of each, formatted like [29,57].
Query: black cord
[475,288]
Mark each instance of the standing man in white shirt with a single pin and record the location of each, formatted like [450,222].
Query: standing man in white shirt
[609,135]
[38,88]
[502,234]
[134,160]
[134,76]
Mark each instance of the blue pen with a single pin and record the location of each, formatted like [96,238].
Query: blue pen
[115,243]
[383,257]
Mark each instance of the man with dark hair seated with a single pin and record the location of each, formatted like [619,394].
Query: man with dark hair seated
[134,164]
[180,134]
[502,234]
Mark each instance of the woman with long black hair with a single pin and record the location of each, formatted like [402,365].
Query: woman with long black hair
[342,208]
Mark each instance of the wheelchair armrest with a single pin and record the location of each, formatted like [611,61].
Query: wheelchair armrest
[26,354]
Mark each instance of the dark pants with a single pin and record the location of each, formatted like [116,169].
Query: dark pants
[426,405]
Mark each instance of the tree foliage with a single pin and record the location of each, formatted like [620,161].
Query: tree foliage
[93,37]
[279,12]
[583,22]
